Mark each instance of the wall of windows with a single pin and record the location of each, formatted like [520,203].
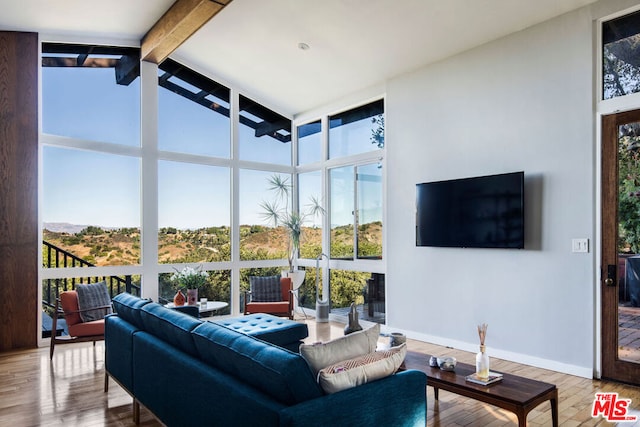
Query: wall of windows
[193,212]
[194,114]
[342,154]
[91,204]
[264,135]
[96,174]
[310,192]
[197,189]
[356,131]
[260,237]
[309,143]
[89,102]
[369,209]
[90,198]
[356,211]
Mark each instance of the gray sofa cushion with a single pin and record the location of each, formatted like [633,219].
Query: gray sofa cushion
[280,373]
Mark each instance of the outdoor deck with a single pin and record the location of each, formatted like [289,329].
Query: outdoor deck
[629,333]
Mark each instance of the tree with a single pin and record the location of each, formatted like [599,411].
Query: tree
[92,231]
[621,64]
[377,134]
[621,76]
[629,188]
[347,287]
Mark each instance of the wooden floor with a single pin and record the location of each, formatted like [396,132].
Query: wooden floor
[69,391]
[575,397]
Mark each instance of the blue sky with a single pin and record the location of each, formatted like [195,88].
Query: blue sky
[83,187]
[89,188]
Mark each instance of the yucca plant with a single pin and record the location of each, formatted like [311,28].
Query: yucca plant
[278,212]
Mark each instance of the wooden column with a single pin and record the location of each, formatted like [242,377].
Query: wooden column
[19,305]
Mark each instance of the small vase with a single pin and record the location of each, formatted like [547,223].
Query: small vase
[178,299]
[482,363]
[353,324]
[192,296]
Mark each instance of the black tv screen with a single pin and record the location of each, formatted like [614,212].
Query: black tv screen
[479,212]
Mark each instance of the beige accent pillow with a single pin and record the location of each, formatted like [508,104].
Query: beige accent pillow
[360,370]
[321,355]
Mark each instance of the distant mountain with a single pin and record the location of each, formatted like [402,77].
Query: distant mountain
[63,227]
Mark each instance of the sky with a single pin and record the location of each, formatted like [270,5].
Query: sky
[90,188]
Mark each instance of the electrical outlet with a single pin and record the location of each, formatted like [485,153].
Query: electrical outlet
[580,245]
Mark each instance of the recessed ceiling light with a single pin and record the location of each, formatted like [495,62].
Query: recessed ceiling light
[303,46]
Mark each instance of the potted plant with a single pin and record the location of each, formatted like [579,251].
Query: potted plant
[190,279]
[279,213]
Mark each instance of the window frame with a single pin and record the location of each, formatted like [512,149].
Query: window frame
[149,155]
[374,156]
[619,103]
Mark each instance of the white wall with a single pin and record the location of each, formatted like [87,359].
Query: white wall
[524,102]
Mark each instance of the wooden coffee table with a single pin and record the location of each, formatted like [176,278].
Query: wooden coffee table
[516,394]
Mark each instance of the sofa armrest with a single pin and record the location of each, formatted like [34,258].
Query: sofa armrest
[398,400]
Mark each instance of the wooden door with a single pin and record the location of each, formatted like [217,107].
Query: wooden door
[620,281]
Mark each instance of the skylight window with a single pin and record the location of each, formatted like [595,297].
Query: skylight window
[191,88]
[193,112]
[621,56]
[91,93]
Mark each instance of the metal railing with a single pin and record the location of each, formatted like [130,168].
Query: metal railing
[56,257]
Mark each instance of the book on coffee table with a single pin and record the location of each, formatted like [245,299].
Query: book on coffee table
[493,378]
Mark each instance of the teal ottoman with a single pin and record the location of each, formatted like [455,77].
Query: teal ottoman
[275,330]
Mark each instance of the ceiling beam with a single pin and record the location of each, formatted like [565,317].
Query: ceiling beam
[183,19]
[76,61]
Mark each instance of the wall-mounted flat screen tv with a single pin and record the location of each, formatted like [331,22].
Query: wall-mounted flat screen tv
[478,212]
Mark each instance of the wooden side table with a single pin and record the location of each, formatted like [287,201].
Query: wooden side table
[516,394]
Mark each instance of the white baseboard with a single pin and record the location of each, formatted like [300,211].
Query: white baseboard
[524,359]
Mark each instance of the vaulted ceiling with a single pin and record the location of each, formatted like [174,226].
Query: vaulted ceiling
[254,44]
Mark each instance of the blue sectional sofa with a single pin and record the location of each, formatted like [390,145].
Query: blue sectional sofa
[189,372]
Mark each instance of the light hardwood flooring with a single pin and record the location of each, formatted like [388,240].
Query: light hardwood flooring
[575,397]
[69,391]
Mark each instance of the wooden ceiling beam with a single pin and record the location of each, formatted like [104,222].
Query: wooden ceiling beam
[183,19]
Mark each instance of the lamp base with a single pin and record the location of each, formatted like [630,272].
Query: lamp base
[322,312]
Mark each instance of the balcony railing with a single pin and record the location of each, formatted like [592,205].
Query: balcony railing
[56,257]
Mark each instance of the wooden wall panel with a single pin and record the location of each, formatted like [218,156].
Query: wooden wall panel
[19,305]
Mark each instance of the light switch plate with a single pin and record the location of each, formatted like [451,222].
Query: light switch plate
[580,245]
